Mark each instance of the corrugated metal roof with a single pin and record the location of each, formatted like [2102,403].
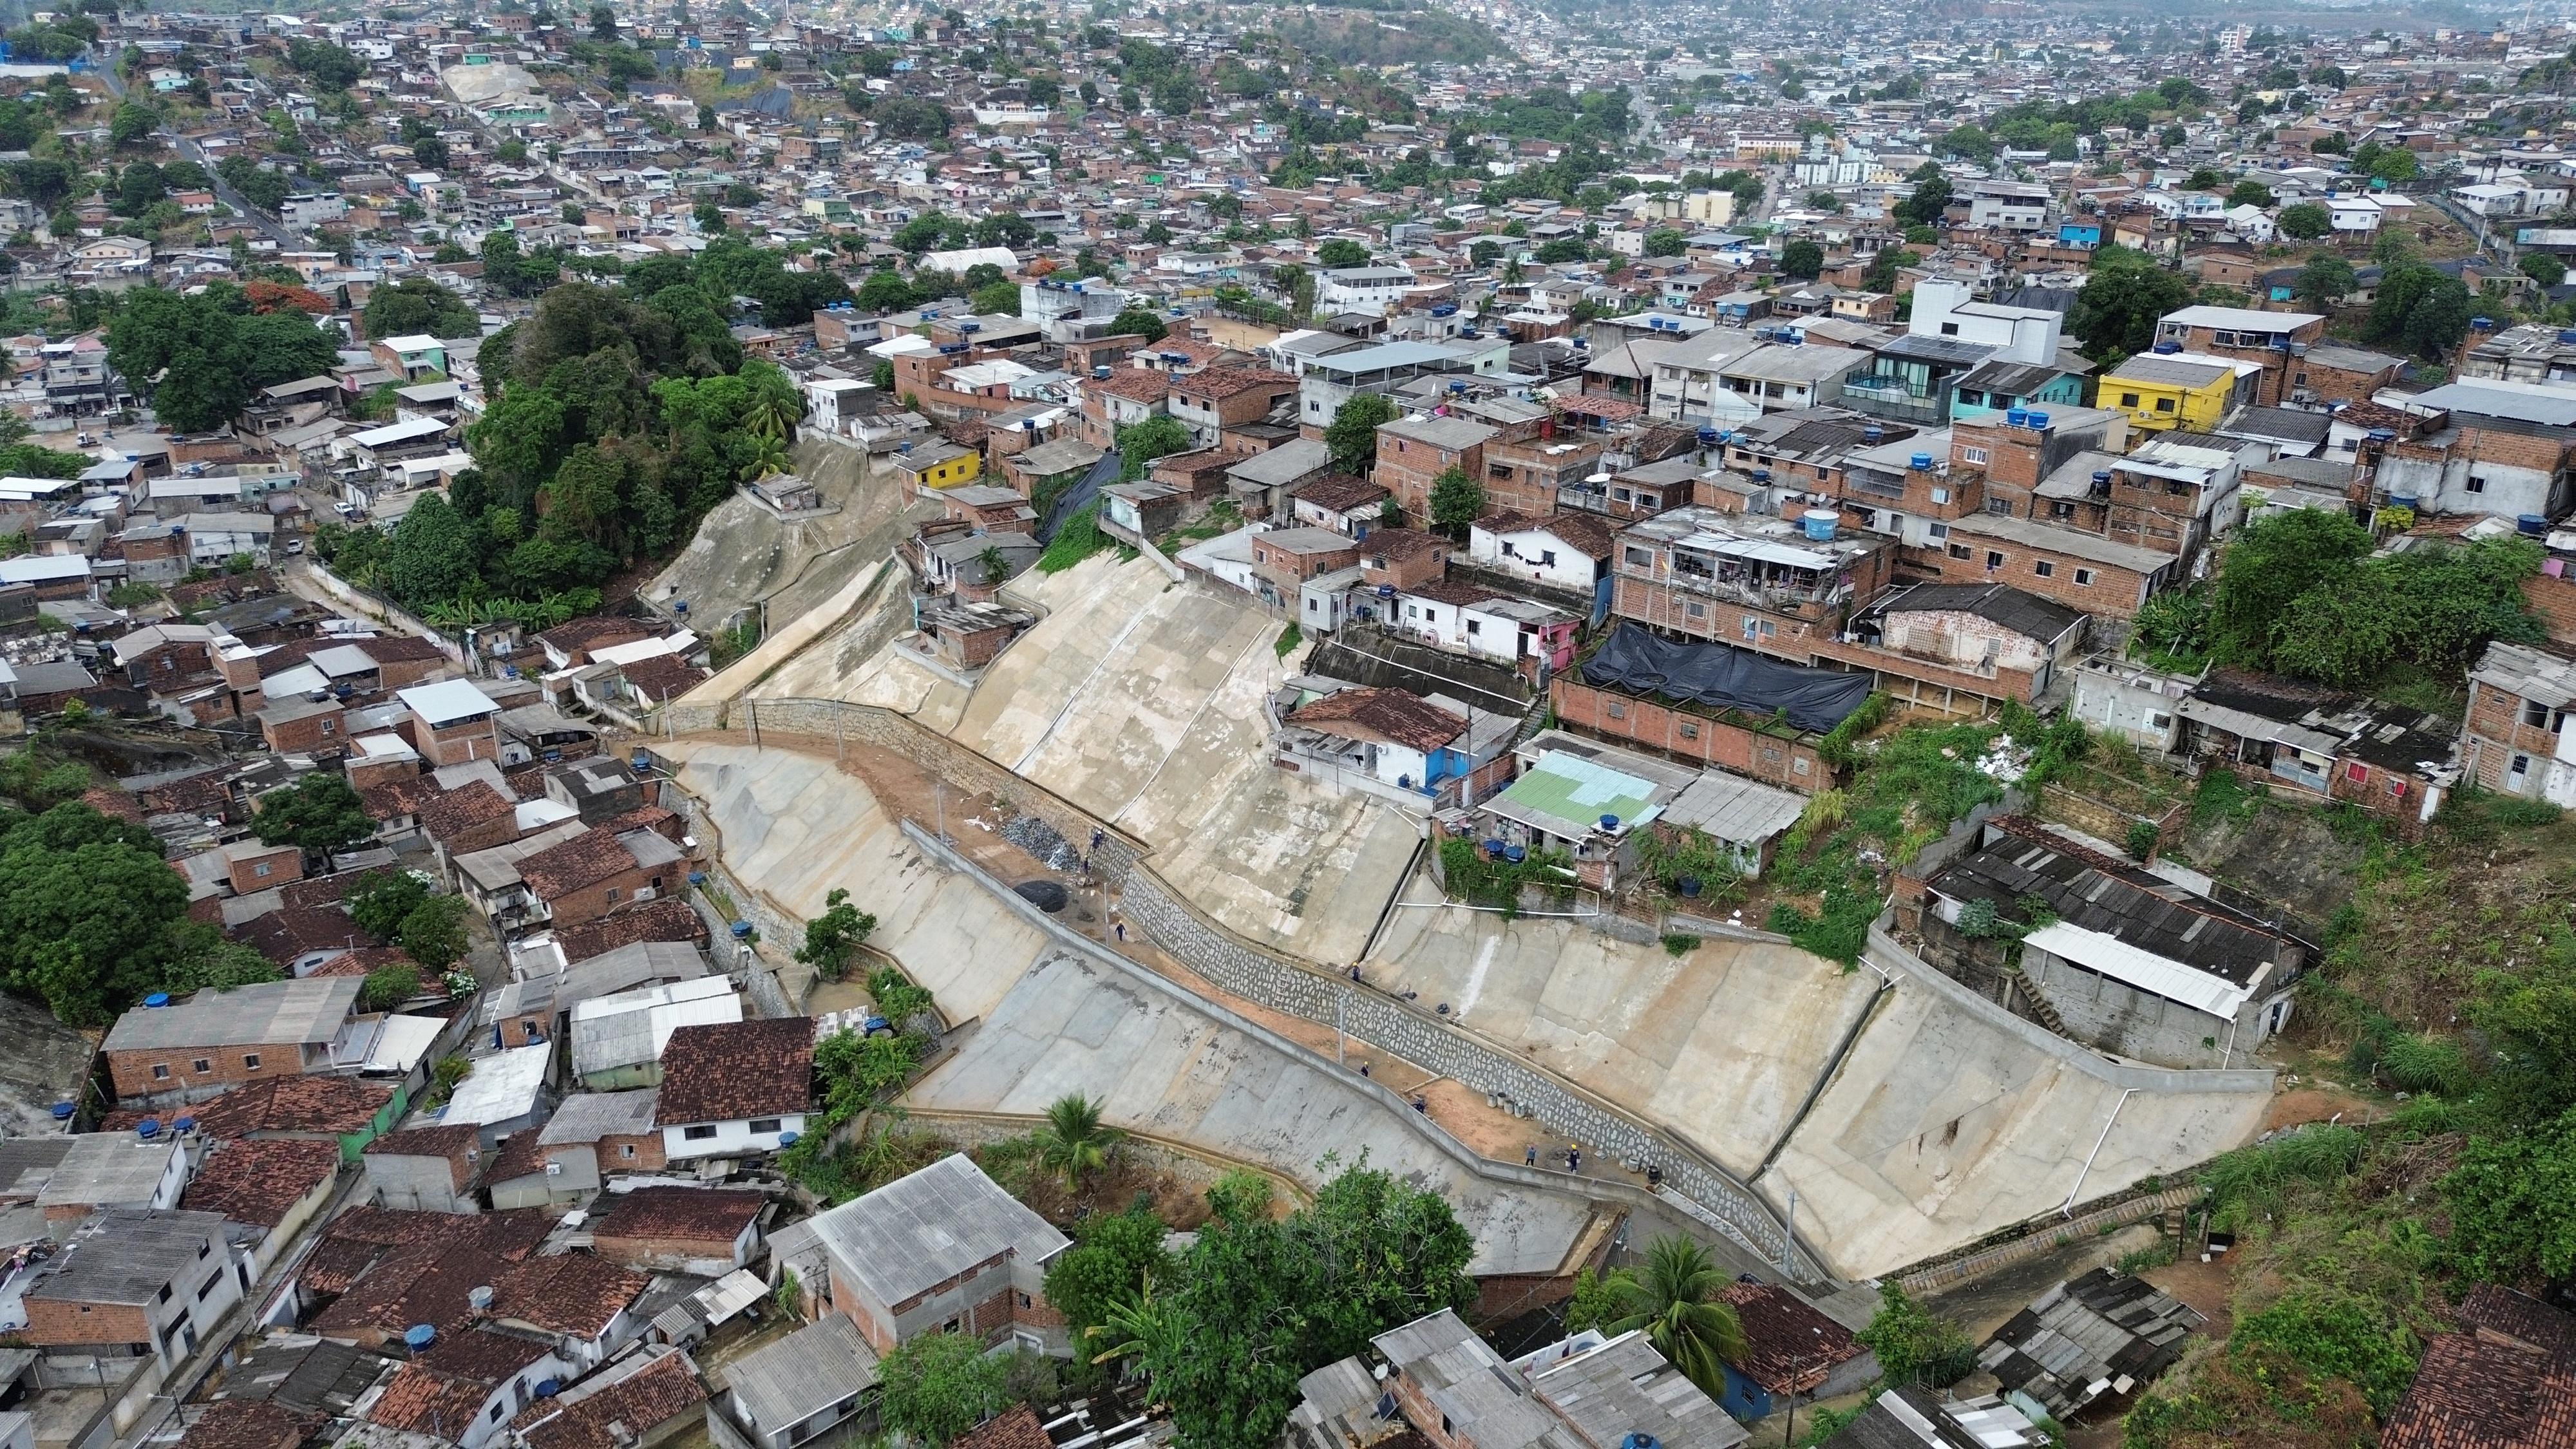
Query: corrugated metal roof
[925,1228]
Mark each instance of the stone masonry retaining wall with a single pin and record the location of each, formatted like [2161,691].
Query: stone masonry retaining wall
[1275,981]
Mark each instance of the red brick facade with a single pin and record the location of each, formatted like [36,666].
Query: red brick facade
[1782,759]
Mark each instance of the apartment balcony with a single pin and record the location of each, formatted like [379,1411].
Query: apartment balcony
[1888,398]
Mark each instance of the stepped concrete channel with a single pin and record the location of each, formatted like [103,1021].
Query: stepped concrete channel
[1898,1115]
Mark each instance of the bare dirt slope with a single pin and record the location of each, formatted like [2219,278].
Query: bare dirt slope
[743,554]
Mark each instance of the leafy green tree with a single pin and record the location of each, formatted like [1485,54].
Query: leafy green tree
[996,298]
[433,553]
[1138,322]
[2434,608]
[1258,1304]
[1663,241]
[1351,437]
[1599,1300]
[434,932]
[832,938]
[2543,268]
[318,813]
[1140,444]
[936,1387]
[2269,564]
[1338,252]
[382,899]
[1913,1345]
[89,911]
[329,67]
[887,292]
[1802,259]
[202,356]
[1674,1300]
[1113,1259]
[2125,295]
[132,125]
[2304,221]
[2324,280]
[417,305]
[1073,1143]
[387,987]
[201,959]
[1456,501]
[2249,192]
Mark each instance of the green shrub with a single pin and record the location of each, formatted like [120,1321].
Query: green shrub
[1677,944]
[2142,840]
[2139,1260]
[2330,1334]
[2249,1181]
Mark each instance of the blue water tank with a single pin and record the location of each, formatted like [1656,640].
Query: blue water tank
[2167,347]
[2401,500]
[1872,433]
[184,1126]
[157,1000]
[2383,435]
[1515,853]
[1920,462]
[2039,420]
[1819,524]
[2567,335]
[2531,525]
[742,930]
[1609,822]
[697,877]
[1494,849]
[1707,437]
[148,1128]
[2016,417]
[419,1336]
[548,1388]
[2482,324]
[63,1111]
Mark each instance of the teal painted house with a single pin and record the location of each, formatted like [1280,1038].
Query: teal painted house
[1999,386]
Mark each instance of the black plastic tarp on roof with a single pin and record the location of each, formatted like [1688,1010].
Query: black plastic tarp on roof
[1724,677]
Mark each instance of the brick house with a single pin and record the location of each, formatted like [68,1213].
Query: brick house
[1216,399]
[1404,558]
[1288,557]
[1759,583]
[1412,453]
[426,1169]
[1126,397]
[2268,339]
[1729,740]
[704,1231]
[464,1388]
[139,1284]
[2520,699]
[594,873]
[941,1250]
[219,1039]
[297,725]
[452,722]
[732,1089]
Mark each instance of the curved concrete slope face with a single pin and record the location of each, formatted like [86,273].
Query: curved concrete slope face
[1941,1128]
[796,827]
[1722,1045]
[1156,1065]
[1141,701]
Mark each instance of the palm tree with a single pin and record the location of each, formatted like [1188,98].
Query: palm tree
[774,414]
[768,459]
[1073,1142]
[1674,1301]
[1137,1327]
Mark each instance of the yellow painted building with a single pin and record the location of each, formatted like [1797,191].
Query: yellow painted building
[935,465]
[2162,391]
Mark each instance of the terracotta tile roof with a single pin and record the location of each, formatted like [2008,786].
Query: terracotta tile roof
[572,1293]
[283,1104]
[114,804]
[371,958]
[398,797]
[1136,384]
[598,631]
[249,1424]
[666,919]
[257,1182]
[2509,1382]
[1340,493]
[205,794]
[1405,718]
[653,1395]
[466,806]
[734,1070]
[584,860]
[689,1214]
[439,1141]
[663,677]
[290,931]
[1223,382]
[398,649]
[425,1401]
[1791,1347]
[427,1281]
[1584,532]
[519,1155]
[1017,1429]
[1401,543]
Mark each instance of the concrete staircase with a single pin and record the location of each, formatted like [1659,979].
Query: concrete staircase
[2041,1009]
